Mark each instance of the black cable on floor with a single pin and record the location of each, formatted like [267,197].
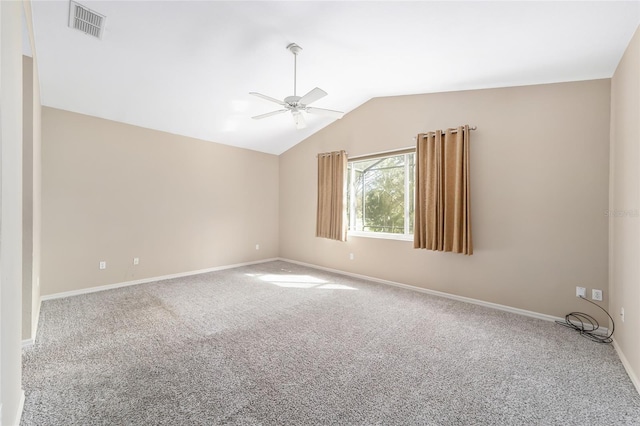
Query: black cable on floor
[587,325]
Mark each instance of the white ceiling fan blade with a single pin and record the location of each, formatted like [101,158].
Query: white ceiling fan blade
[298,118]
[269,114]
[326,112]
[312,96]
[268,98]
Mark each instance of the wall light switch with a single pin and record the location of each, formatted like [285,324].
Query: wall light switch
[136,260]
[103,264]
[581,292]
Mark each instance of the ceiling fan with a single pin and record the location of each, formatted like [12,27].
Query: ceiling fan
[297,104]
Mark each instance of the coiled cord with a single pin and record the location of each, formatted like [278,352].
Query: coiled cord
[578,321]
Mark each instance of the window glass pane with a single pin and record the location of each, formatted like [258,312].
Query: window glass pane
[376,194]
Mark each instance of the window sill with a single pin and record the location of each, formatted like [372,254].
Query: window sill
[380,235]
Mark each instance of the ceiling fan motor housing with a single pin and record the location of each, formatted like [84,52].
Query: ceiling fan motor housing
[293,100]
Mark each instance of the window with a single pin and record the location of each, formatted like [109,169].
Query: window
[380,195]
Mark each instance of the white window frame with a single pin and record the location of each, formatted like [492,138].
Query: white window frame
[406,236]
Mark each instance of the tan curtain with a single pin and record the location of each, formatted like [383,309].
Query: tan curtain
[442,203]
[331,221]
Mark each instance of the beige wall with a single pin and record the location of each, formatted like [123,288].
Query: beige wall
[112,192]
[539,179]
[10,210]
[624,278]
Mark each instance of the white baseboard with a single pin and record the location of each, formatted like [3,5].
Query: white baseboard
[20,407]
[18,416]
[34,326]
[147,280]
[497,306]
[532,314]
[34,329]
[627,366]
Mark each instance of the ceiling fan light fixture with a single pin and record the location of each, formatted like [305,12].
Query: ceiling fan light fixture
[298,118]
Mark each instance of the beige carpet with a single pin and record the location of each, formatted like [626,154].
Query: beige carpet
[282,344]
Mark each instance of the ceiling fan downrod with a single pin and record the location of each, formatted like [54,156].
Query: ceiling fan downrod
[295,49]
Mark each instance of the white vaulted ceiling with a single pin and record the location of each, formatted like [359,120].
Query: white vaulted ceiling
[188,67]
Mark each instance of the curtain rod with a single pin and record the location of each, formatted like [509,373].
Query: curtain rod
[453,130]
[326,154]
[399,151]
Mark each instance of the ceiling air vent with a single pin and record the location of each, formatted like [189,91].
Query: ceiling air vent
[86,20]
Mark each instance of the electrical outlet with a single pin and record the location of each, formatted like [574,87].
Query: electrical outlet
[596,294]
[581,292]
[622,314]
[136,260]
[103,264]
